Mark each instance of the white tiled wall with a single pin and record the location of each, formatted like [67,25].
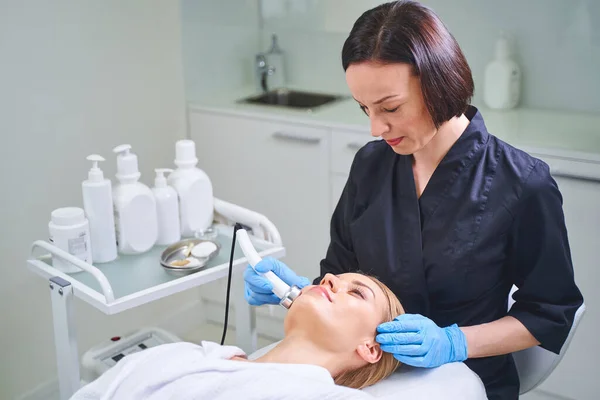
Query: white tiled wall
[557,43]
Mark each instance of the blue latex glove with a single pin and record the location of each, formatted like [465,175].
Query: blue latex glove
[416,340]
[259,291]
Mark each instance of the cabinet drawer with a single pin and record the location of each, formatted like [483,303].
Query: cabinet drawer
[344,145]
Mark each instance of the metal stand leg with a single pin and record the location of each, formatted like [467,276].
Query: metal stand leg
[65,341]
[245,318]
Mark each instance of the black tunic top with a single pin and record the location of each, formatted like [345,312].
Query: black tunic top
[490,217]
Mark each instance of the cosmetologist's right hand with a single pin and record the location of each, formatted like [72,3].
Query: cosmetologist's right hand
[259,291]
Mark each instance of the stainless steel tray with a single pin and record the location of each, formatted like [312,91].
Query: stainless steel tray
[182,250]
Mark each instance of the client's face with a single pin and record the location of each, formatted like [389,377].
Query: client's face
[340,314]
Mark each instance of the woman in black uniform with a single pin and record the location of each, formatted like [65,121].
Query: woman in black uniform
[444,213]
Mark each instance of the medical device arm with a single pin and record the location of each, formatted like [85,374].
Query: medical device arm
[285,292]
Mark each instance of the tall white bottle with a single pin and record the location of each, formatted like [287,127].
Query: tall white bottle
[98,206]
[135,207]
[502,80]
[167,209]
[194,188]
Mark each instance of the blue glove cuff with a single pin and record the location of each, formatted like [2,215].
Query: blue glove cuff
[458,342]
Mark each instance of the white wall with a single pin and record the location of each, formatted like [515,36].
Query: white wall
[557,43]
[76,77]
[220,41]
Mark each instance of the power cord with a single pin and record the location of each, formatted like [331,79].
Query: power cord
[235,229]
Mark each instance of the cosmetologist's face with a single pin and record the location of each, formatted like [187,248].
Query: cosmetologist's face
[391,96]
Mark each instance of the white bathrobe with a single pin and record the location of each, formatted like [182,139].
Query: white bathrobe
[189,371]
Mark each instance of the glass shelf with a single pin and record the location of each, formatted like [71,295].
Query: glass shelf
[139,279]
[131,274]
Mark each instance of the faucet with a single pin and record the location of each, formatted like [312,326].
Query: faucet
[263,71]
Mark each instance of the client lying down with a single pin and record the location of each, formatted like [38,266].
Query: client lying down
[329,338]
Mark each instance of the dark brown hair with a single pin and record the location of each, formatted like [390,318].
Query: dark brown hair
[408,32]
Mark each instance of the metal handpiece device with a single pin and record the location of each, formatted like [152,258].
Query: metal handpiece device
[285,292]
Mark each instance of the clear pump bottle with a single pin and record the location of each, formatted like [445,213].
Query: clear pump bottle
[276,58]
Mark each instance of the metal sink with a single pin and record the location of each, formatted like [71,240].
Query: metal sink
[292,98]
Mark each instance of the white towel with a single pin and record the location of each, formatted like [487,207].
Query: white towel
[189,371]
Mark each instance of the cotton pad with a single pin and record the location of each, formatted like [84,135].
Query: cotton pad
[203,249]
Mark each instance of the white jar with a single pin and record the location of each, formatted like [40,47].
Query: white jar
[70,231]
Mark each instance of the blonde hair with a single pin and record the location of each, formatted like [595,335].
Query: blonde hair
[373,373]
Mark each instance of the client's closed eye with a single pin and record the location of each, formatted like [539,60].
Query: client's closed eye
[359,291]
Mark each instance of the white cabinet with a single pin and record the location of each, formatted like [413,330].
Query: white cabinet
[344,145]
[577,375]
[280,170]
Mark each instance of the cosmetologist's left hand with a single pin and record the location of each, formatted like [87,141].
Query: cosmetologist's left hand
[416,340]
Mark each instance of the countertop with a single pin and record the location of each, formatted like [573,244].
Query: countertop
[569,135]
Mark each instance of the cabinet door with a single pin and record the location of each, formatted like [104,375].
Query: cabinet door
[344,146]
[577,375]
[277,169]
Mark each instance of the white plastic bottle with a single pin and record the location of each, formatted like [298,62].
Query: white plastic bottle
[98,206]
[70,231]
[502,81]
[194,188]
[135,207]
[167,209]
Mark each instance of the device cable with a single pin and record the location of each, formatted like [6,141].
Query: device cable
[235,229]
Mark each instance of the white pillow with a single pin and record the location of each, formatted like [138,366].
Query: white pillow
[448,382]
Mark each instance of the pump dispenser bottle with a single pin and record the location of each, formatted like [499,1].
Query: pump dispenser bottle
[194,188]
[276,58]
[502,80]
[135,207]
[167,209]
[98,206]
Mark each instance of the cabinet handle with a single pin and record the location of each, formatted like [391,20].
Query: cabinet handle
[354,146]
[296,138]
